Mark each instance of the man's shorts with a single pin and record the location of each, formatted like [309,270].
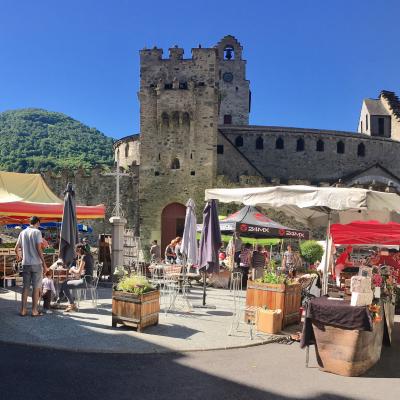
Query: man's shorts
[32,274]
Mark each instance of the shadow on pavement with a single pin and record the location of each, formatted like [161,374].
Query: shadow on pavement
[49,375]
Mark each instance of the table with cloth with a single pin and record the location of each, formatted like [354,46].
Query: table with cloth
[347,341]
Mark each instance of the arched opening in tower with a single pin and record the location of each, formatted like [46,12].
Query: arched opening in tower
[172,223]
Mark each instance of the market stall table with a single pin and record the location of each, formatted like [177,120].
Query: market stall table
[347,341]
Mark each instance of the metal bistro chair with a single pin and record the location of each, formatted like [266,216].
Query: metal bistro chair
[90,287]
[240,311]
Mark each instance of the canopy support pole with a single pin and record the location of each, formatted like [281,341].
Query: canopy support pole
[327,251]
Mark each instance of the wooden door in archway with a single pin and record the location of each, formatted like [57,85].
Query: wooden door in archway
[172,223]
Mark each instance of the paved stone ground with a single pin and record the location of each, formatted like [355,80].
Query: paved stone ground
[201,329]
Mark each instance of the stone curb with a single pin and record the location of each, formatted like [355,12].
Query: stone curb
[116,351]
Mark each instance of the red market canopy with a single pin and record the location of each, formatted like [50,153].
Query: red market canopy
[24,195]
[366,232]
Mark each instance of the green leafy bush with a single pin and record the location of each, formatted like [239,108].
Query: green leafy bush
[135,284]
[311,251]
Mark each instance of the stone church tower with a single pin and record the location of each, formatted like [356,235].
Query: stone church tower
[181,103]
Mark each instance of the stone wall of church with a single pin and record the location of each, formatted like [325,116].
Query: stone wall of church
[178,120]
[95,187]
[340,154]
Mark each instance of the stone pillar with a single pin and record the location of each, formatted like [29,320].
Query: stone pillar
[117,245]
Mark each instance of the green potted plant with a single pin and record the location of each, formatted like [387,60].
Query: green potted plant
[135,301]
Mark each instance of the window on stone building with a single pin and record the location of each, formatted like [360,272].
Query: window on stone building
[259,143]
[183,85]
[165,119]
[279,144]
[227,119]
[239,141]
[366,122]
[159,156]
[300,145]
[320,145]
[361,127]
[361,150]
[127,150]
[220,149]
[229,53]
[193,173]
[168,86]
[156,173]
[175,164]
[175,119]
[186,121]
[381,126]
[340,147]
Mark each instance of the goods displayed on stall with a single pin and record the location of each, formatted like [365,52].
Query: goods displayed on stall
[361,324]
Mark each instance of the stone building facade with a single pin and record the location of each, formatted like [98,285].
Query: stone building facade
[195,134]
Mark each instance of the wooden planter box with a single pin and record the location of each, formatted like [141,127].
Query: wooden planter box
[137,311]
[276,296]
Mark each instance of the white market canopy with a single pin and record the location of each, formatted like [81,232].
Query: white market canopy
[311,205]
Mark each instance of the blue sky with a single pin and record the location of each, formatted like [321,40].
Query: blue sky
[310,62]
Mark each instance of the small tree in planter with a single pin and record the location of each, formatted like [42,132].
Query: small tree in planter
[135,302]
[311,251]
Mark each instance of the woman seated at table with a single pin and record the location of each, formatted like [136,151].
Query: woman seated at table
[84,270]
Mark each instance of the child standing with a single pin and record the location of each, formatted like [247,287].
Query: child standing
[47,290]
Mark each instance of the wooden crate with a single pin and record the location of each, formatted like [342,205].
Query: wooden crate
[275,296]
[137,311]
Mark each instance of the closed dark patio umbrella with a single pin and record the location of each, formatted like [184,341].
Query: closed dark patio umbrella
[69,228]
[210,242]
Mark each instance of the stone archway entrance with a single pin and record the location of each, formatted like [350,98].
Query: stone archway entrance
[172,223]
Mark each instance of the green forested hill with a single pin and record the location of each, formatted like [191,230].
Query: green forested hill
[37,140]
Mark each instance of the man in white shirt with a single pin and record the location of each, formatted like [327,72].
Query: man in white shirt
[33,264]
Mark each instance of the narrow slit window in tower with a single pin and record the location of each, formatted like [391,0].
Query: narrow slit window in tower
[279,144]
[300,145]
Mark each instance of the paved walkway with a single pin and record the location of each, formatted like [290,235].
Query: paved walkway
[91,330]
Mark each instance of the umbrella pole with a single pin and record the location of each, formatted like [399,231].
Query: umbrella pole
[327,250]
[204,288]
